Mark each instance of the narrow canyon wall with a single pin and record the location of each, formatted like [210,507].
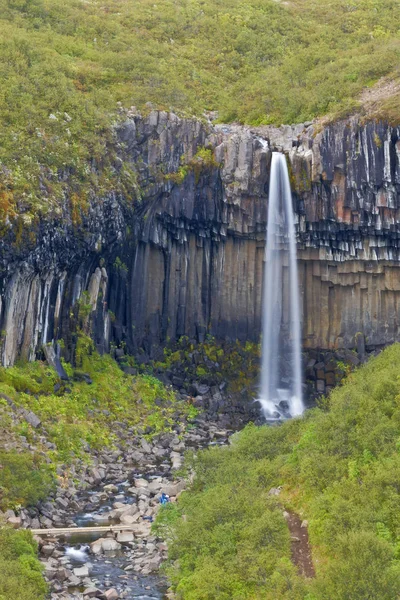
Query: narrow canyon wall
[187,259]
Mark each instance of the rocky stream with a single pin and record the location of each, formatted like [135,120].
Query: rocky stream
[121,487]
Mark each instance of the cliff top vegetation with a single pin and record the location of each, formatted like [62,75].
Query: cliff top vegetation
[65,66]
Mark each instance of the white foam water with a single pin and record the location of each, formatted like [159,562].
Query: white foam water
[281,381]
[77,554]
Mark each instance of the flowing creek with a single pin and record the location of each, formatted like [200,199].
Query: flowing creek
[113,569]
[112,565]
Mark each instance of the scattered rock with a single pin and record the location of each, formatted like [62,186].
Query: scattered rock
[82,571]
[32,419]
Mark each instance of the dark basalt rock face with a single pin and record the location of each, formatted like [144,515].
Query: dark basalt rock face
[188,258]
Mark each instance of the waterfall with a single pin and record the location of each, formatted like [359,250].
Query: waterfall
[281,384]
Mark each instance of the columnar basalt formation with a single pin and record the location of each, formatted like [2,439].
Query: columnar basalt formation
[188,258]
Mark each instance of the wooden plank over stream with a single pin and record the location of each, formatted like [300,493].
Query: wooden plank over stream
[72,530]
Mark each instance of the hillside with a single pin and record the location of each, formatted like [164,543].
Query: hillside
[65,67]
[338,469]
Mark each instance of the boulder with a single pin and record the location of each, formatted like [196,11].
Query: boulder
[129,519]
[110,545]
[82,571]
[173,489]
[32,419]
[125,537]
[92,592]
[141,483]
[15,522]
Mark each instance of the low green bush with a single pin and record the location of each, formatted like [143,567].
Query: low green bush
[20,571]
[25,479]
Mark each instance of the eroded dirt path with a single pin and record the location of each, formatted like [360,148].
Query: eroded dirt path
[300,545]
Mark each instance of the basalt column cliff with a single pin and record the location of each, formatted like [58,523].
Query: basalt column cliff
[187,258]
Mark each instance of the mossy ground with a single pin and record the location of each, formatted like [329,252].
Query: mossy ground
[236,364]
[339,469]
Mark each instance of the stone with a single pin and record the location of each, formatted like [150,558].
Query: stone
[83,571]
[62,502]
[32,419]
[110,545]
[62,574]
[304,524]
[51,353]
[111,594]
[173,489]
[93,592]
[360,345]
[146,446]
[130,509]
[15,522]
[129,519]
[330,379]
[47,549]
[155,486]
[125,537]
[50,572]
[96,547]
[141,483]
[110,488]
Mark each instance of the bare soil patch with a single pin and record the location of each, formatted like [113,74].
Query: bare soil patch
[300,545]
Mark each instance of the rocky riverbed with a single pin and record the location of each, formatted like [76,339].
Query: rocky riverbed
[121,487]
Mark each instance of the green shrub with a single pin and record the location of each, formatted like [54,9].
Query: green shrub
[363,568]
[21,572]
[24,479]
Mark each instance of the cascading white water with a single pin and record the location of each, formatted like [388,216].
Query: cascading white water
[281,384]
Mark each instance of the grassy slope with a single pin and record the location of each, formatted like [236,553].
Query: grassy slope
[340,470]
[75,419]
[259,61]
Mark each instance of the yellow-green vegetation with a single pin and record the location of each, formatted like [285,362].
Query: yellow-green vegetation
[202,161]
[339,468]
[64,66]
[25,479]
[21,572]
[81,413]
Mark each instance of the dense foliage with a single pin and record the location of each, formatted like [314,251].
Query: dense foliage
[339,468]
[64,66]
[21,572]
